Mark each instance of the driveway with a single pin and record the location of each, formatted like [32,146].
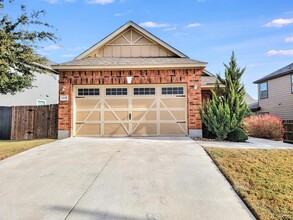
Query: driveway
[116,178]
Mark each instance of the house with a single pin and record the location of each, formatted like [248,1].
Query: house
[208,82]
[44,91]
[131,83]
[275,93]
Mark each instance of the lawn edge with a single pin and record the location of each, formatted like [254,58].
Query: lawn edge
[26,150]
[232,184]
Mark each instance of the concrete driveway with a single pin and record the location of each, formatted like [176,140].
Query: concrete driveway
[116,178]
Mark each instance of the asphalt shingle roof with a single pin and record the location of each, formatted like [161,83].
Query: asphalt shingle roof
[115,61]
[281,72]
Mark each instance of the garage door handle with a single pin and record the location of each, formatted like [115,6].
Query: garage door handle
[129,116]
[181,122]
[180,95]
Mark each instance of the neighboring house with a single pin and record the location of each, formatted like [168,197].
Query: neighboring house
[275,93]
[208,82]
[44,91]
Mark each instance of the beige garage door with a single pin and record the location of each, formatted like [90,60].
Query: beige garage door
[144,110]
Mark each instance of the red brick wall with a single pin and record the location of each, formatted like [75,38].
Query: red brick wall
[188,76]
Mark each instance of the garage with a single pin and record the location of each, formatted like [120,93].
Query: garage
[130,83]
[136,110]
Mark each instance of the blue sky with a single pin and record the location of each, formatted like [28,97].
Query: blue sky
[259,31]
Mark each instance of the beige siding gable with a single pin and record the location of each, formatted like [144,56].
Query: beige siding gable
[132,43]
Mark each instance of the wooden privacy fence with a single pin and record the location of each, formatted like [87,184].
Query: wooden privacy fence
[288,125]
[28,122]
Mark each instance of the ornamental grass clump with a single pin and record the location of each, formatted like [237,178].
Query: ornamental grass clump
[267,126]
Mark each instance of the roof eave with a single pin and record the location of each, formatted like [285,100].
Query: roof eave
[127,67]
[273,77]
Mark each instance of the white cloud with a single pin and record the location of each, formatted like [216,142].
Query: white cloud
[170,29]
[122,13]
[52,47]
[280,22]
[279,52]
[77,48]
[52,1]
[193,25]
[68,55]
[42,53]
[289,39]
[151,24]
[100,2]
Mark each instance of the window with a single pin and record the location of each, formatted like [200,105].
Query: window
[292,83]
[88,91]
[144,91]
[172,91]
[41,102]
[116,91]
[263,113]
[263,90]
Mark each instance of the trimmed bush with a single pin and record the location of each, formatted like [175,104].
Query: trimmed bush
[267,126]
[238,135]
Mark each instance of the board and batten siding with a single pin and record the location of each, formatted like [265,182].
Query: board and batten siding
[280,98]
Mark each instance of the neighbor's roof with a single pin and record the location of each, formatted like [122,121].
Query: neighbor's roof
[248,99]
[129,63]
[121,30]
[254,107]
[281,72]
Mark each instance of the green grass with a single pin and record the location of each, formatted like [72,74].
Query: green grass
[263,178]
[10,148]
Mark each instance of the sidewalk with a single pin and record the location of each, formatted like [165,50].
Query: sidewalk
[253,143]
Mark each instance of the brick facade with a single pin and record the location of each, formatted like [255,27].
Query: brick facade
[187,76]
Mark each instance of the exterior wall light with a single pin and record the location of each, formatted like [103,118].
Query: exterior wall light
[195,86]
[63,89]
[129,79]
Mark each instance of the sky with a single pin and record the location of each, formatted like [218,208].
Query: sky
[260,32]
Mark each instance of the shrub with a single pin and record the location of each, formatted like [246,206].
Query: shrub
[238,135]
[267,126]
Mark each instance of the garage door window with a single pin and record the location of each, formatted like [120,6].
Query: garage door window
[88,91]
[116,91]
[172,91]
[144,91]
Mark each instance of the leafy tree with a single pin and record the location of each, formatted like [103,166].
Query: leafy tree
[18,44]
[227,108]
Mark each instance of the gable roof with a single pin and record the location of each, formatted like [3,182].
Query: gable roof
[120,31]
[281,72]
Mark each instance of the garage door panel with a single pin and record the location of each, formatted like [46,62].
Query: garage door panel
[88,129]
[116,103]
[143,103]
[171,128]
[145,129]
[172,115]
[115,115]
[82,116]
[87,103]
[142,115]
[173,103]
[112,129]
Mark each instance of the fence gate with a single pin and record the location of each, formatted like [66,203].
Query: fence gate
[5,123]
[288,125]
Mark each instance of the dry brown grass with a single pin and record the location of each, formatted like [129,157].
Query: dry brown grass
[10,148]
[263,178]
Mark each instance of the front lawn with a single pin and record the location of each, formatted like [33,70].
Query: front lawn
[10,148]
[263,178]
